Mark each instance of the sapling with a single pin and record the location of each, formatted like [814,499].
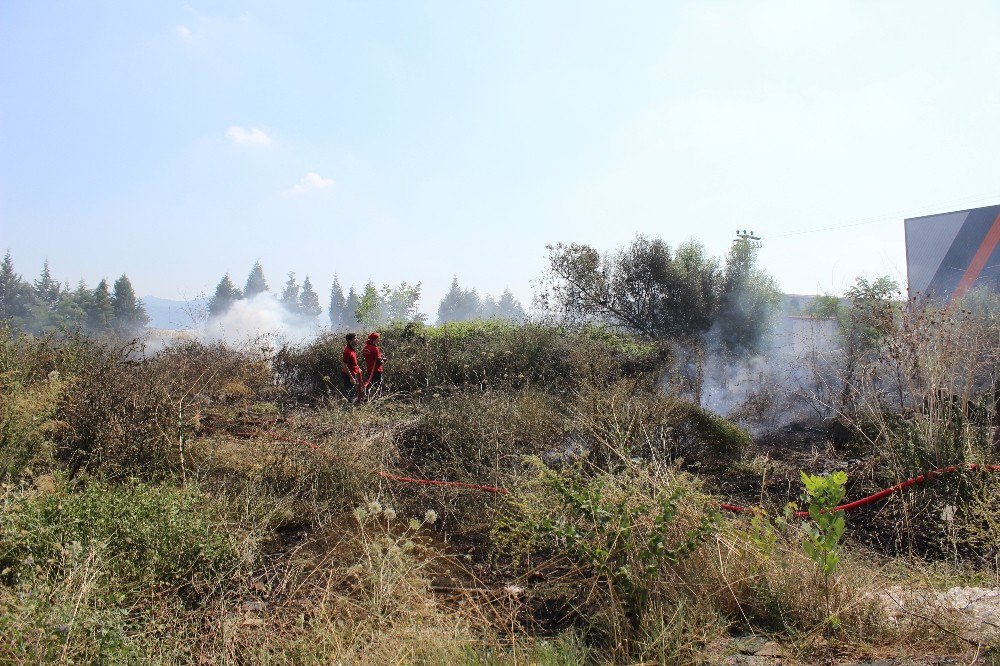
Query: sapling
[825,526]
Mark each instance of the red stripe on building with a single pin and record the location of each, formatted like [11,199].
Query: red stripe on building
[979,261]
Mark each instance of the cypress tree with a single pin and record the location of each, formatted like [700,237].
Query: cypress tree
[338,305]
[490,308]
[450,307]
[47,289]
[256,284]
[351,309]
[225,294]
[309,305]
[15,294]
[100,311]
[290,296]
[129,313]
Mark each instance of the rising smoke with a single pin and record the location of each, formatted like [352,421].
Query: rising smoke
[259,318]
[789,381]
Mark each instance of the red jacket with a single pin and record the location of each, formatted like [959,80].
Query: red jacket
[351,361]
[373,359]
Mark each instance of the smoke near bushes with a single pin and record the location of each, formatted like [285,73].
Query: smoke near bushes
[257,317]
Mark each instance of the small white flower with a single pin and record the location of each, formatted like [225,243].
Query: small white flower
[360,514]
[514,590]
[430,517]
[390,514]
[374,506]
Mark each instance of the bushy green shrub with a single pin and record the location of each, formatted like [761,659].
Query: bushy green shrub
[608,545]
[28,404]
[143,539]
[494,353]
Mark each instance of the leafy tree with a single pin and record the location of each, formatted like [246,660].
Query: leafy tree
[400,303]
[826,305]
[338,305]
[129,313]
[225,295]
[370,312]
[256,284]
[644,288]
[657,292]
[749,301]
[99,309]
[871,318]
[873,309]
[309,301]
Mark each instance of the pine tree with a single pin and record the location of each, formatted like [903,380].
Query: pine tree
[509,308]
[309,306]
[338,306]
[129,313]
[459,304]
[256,284]
[225,294]
[70,312]
[490,308]
[15,295]
[451,304]
[472,306]
[290,296]
[100,311]
[351,309]
[47,289]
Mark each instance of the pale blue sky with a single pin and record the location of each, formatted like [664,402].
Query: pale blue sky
[175,142]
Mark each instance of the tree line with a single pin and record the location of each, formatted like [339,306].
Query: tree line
[45,306]
[370,307]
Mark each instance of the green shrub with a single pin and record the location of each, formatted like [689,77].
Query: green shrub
[494,353]
[28,405]
[598,533]
[144,539]
[611,546]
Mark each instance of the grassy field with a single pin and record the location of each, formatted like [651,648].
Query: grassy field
[212,505]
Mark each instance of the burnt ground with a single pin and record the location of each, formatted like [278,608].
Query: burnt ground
[907,523]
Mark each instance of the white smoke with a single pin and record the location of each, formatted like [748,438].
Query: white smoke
[260,317]
[790,382]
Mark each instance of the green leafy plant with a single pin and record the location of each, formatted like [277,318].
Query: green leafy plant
[615,540]
[825,526]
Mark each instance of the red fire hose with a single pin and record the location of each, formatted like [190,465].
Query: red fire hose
[850,506]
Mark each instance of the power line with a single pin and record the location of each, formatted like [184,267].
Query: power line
[891,217]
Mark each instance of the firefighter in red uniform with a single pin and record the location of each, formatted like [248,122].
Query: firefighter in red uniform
[354,386]
[373,364]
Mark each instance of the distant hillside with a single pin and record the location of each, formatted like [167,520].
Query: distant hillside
[174,315]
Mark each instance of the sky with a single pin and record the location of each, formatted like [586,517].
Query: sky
[419,141]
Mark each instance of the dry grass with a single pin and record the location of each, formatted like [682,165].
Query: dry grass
[322,562]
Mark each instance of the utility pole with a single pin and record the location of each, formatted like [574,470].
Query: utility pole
[750,237]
